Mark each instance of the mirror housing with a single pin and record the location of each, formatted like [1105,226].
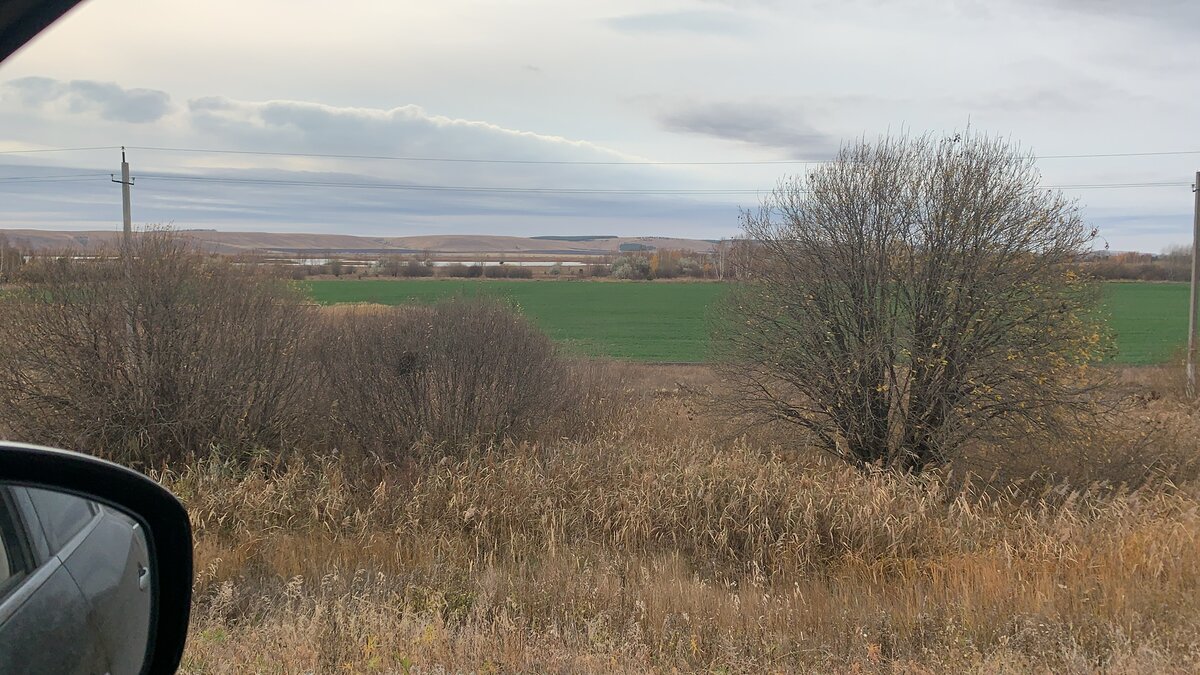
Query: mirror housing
[20,20]
[167,531]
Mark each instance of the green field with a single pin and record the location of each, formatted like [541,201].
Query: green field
[642,321]
[1149,320]
[647,321]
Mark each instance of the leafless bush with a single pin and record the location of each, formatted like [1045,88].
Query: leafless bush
[911,297]
[147,361]
[462,271]
[11,259]
[464,371]
[507,272]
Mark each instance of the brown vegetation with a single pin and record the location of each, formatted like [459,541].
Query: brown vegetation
[443,492]
[657,546]
[462,373]
[1174,265]
[166,355]
[910,297]
[153,361]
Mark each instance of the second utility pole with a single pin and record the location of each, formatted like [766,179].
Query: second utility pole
[126,211]
[1191,351]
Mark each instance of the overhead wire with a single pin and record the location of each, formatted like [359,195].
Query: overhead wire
[500,160]
[268,153]
[557,190]
[65,178]
[37,150]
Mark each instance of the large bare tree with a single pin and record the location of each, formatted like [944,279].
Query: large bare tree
[910,296]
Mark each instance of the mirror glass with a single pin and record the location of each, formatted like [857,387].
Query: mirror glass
[75,585]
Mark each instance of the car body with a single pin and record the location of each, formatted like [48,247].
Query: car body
[74,585]
[97,563]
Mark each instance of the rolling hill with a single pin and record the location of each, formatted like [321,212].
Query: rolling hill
[292,243]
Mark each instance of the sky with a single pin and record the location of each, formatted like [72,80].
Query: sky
[627,118]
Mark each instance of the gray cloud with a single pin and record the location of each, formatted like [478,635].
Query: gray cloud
[743,4]
[403,130]
[1071,93]
[1170,11]
[757,125]
[107,99]
[684,21]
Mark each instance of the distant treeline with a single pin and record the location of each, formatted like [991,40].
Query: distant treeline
[1174,265]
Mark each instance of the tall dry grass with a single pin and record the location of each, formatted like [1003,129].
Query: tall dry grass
[657,546]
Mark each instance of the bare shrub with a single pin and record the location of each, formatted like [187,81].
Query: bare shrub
[464,371]
[507,272]
[173,355]
[911,297]
[598,270]
[463,271]
[12,257]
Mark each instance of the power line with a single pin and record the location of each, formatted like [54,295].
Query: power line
[97,147]
[483,160]
[48,180]
[440,188]
[1097,186]
[556,190]
[13,179]
[465,160]
[1121,154]
[582,162]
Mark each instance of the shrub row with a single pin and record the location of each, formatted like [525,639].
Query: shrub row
[177,355]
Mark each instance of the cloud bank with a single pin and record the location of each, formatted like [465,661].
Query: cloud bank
[108,100]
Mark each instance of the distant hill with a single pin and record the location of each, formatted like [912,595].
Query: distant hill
[292,243]
[575,238]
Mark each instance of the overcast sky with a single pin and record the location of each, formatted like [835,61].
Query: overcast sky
[558,81]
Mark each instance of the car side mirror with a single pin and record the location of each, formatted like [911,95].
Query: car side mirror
[95,566]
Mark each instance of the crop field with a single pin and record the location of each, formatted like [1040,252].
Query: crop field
[645,321]
[640,321]
[1148,319]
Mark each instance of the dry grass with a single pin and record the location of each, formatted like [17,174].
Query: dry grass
[656,545]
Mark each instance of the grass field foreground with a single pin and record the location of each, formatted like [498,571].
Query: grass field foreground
[669,322]
[661,546]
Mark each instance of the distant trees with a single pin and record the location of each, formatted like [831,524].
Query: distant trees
[664,264]
[910,296]
[1173,265]
[11,260]
[631,267]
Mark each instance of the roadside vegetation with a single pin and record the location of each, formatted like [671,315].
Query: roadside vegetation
[446,487]
[911,296]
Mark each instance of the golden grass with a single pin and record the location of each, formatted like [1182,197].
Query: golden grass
[658,546]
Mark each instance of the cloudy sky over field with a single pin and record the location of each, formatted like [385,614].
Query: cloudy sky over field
[607,117]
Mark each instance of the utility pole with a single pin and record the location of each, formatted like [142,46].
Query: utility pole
[127,262]
[1191,353]
[126,182]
